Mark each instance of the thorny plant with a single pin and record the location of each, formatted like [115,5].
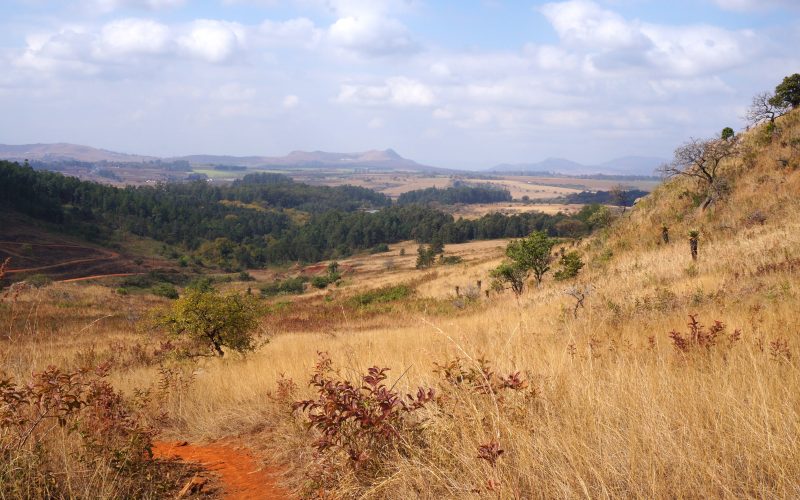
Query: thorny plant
[367,421]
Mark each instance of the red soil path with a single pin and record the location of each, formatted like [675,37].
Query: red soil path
[108,255]
[98,276]
[241,477]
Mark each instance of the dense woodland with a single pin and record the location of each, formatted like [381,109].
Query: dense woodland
[260,220]
[620,198]
[453,195]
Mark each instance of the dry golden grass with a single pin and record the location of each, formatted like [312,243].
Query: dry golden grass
[612,409]
[479,210]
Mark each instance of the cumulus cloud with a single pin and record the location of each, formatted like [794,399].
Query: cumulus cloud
[212,41]
[398,91]
[133,36]
[371,35]
[130,41]
[609,42]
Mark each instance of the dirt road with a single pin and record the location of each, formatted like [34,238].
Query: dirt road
[240,476]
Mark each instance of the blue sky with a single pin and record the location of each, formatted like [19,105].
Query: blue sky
[449,83]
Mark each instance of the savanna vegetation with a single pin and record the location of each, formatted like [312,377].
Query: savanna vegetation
[657,358]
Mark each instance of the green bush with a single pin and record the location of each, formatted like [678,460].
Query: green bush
[382,295]
[379,248]
[165,290]
[571,264]
[284,287]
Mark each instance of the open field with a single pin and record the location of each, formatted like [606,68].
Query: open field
[477,211]
[394,184]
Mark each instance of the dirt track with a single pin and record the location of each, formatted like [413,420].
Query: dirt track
[108,255]
[240,476]
[98,276]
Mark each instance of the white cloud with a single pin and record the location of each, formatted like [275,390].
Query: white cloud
[371,35]
[212,41]
[398,91]
[299,32]
[607,42]
[133,36]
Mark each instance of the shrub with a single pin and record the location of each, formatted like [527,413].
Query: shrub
[367,420]
[382,295]
[245,276]
[379,248]
[79,405]
[215,320]
[571,264]
[284,287]
[450,260]
[700,338]
[165,290]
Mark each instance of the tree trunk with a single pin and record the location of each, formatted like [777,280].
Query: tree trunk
[693,248]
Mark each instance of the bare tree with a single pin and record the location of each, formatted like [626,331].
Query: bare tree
[764,108]
[701,159]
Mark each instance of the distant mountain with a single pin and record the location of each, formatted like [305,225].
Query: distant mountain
[378,159]
[387,159]
[626,165]
[65,151]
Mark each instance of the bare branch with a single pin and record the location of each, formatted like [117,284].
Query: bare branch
[764,108]
[701,159]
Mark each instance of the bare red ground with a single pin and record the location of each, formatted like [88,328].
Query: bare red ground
[98,276]
[241,477]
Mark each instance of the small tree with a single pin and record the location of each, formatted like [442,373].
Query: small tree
[425,257]
[665,233]
[532,253]
[701,159]
[217,320]
[509,273]
[787,93]
[764,108]
[727,134]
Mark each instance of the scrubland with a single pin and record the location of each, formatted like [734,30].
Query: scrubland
[675,378]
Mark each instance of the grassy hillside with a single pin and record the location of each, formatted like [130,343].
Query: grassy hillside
[531,399]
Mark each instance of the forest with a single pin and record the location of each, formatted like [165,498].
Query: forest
[261,220]
[456,194]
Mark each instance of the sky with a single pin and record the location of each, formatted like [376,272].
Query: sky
[451,83]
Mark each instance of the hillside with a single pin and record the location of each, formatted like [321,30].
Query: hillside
[533,396]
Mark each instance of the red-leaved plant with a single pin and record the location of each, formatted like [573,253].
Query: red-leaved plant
[367,421]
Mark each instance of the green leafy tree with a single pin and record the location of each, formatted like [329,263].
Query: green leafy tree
[787,93]
[216,320]
[727,134]
[425,257]
[509,273]
[532,254]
